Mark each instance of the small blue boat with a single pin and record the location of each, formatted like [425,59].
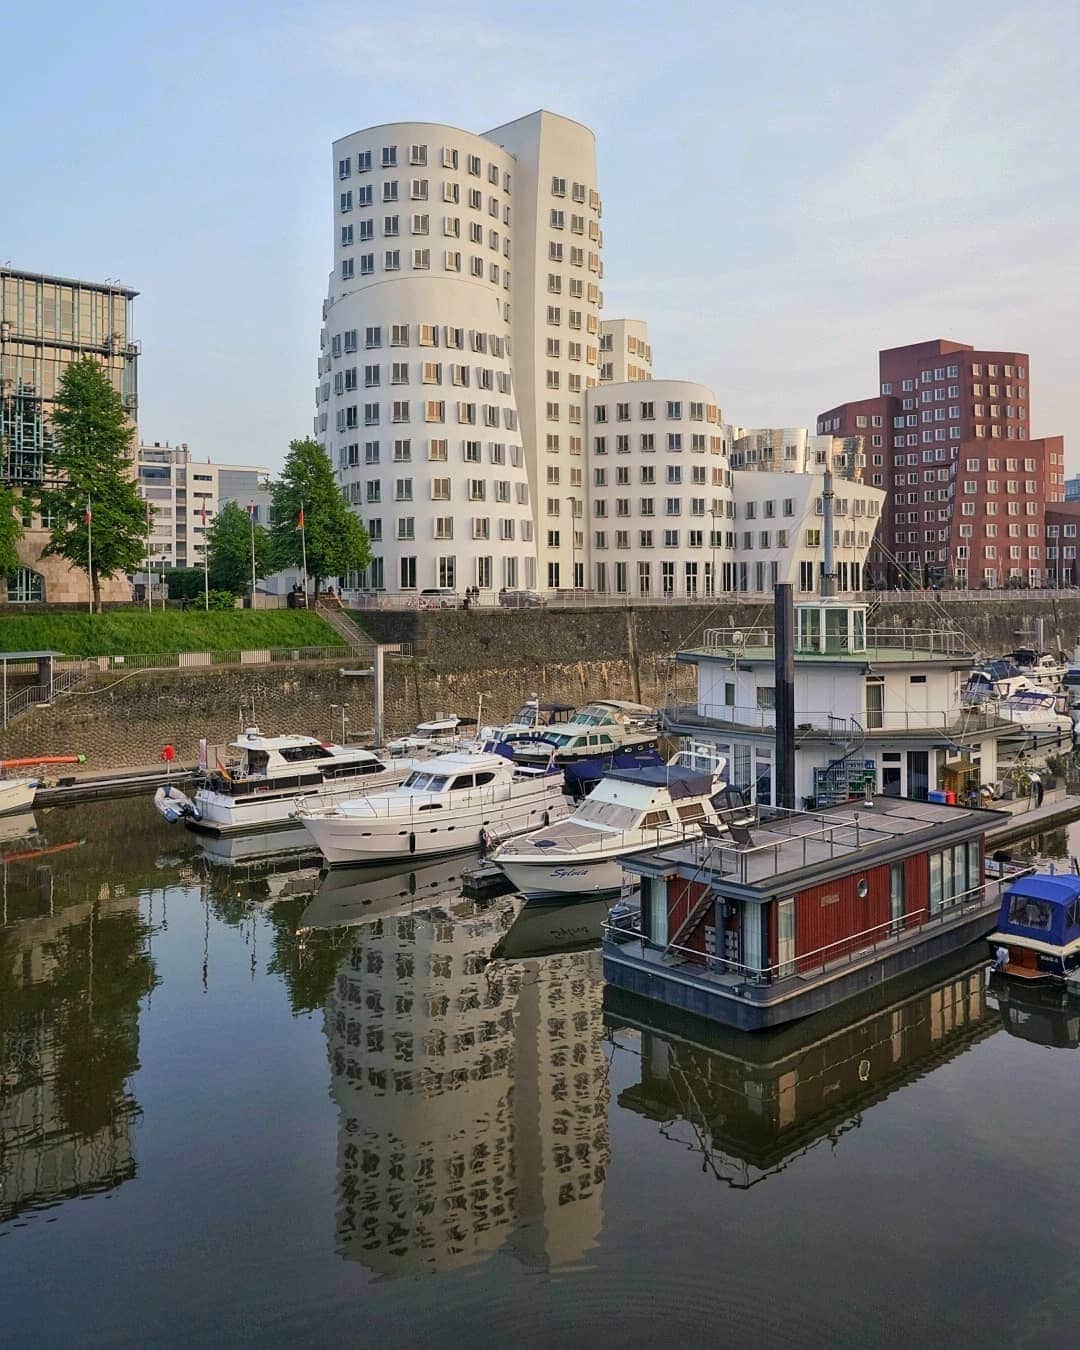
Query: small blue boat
[1038,929]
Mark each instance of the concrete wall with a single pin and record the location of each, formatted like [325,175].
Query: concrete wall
[568,655]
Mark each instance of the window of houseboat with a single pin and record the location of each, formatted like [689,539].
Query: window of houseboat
[484,778]
[1030,913]
[257,761]
[297,754]
[953,873]
[437,783]
[691,811]
[1072,915]
[463,780]
[654,820]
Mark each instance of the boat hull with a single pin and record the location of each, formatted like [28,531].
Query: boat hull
[346,840]
[16,794]
[563,879]
[221,815]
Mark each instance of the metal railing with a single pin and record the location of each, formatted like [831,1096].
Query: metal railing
[422,806]
[71,674]
[879,642]
[236,657]
[722,716]
[821,959]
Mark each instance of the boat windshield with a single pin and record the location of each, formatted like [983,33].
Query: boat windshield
[426,782]
[608,813]
[1030,913]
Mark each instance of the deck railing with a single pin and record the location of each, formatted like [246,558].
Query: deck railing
[956,721]
[844,951]
[914,644]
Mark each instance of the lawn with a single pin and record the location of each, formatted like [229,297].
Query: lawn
[130,632]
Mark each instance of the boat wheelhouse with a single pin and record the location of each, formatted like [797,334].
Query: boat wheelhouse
[803,909]
[258,788]
[876,710]
[441,733]
[1038,929]
[448,804]
[631,810]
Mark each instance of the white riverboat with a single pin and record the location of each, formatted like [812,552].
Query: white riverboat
[630,811]
[595,732]
[457,801]
[1038,712]
[261,786]
[429,738]
[16,794]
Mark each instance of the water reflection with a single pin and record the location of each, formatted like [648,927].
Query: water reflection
[749,1105]
[74,964]
[473,1094]
[1044,1015]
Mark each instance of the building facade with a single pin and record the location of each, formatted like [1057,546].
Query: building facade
[184,496]
[46,322]
[966,481]
[796,450]
[625,351]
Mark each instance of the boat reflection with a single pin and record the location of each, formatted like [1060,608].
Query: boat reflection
[543,929]
[352,895]
[1044,1015]
[752,1104]
[473,1092]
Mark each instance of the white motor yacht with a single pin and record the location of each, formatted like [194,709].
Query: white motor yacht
[457,801]
[16,794]
[629,811]
[442,733]
[594,732]
[260,787]
[1043,669]
[1038,712]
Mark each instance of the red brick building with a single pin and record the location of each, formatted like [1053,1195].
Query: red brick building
[949,439]
[1062,525]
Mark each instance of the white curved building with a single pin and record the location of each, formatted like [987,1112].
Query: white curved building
[450,398]
[660,496]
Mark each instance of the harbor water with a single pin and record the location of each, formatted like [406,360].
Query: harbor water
[242,1106]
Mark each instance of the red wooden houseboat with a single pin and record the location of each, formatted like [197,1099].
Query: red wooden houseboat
[754,927]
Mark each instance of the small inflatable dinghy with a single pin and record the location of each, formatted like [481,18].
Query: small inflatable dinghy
[175,805]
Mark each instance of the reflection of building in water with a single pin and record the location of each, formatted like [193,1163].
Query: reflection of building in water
[472,1094]
[70,981]
[751,1103]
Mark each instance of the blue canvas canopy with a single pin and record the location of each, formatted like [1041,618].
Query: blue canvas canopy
[1043,907]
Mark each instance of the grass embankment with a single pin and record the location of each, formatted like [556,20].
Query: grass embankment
[134,632]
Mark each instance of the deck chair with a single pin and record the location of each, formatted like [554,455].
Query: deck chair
[741,836]
[711,831]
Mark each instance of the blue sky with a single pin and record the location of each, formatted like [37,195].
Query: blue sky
[787,187]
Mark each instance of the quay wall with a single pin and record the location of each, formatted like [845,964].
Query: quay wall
[563,655]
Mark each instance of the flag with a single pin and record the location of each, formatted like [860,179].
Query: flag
[300,519]
[89,513]
[202,512]
[251,510]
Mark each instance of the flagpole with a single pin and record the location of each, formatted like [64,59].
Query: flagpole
[303,553]
[149,573]
[206,564]
[251,527]
[90,554]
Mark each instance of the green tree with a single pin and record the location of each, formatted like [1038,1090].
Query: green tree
[336,541]
[92,461]
[229,542]
[11,509]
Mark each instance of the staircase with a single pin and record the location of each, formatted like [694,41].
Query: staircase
[350,633]
[849,774]
[42,695]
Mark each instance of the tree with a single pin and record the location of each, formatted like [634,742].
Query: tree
[229,542]
[92,463]
[336,541]
[11,509]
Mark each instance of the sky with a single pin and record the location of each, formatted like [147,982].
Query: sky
[787,187]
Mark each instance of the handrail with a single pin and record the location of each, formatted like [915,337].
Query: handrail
[316,807]
[964,718]
[974,897]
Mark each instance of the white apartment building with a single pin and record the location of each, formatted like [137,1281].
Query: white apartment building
[185,496]
[625,351]
[443,386]
[796,450]
[668,517]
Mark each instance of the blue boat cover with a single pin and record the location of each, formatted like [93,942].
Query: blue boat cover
[1053,915]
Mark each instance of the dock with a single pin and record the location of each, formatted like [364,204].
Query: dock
[1019,824]
[89,787]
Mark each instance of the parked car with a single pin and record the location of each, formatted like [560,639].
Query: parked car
[521,599]
[439,597]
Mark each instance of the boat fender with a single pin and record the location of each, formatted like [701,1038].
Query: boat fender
[485,838]
[412,843]
[547,817]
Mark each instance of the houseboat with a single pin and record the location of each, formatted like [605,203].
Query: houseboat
[1038,929]
[258,787]
[629,811]
[449,804]
[876,710]
[803,909]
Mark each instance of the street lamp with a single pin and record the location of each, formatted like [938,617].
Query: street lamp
[340,707]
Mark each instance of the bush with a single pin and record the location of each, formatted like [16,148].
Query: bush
[219,600]
[185,583]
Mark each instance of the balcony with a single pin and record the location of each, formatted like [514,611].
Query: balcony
[881,644]
[957,724]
